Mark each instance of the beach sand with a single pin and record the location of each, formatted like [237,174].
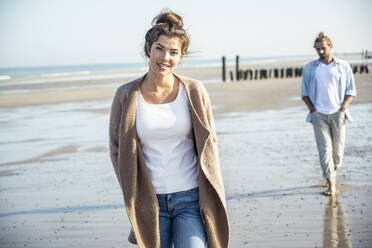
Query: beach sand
[58,188]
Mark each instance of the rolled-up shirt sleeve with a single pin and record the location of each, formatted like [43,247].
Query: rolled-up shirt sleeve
[305,83]
[350,82]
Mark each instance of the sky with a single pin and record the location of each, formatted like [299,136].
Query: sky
[73,32]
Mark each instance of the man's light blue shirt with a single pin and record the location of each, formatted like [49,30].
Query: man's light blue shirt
[346,83]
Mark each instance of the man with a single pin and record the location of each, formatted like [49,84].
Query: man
[327,89]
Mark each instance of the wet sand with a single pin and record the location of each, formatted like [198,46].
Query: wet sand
[58,189]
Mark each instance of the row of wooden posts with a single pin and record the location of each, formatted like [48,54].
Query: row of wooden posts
[360,69]
[259,74]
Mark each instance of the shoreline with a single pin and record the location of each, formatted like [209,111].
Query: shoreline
[188,62]
[243,95]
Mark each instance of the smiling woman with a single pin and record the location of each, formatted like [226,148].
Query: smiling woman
[164,151]
[164,54]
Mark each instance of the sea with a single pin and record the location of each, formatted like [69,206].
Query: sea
[40,74]
[62,70]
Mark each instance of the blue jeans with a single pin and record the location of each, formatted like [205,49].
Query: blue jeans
[180,222]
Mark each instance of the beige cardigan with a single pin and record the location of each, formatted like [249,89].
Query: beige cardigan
[139,195]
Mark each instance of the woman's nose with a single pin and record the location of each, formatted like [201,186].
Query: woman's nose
[166,55]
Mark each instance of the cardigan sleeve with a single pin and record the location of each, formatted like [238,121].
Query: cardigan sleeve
[115,116]
[209,113]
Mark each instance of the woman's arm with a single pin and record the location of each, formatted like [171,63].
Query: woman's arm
[209,113]
[115,116]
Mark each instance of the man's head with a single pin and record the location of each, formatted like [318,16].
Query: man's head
[323,45]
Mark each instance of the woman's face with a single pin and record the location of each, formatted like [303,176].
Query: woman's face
[165,54]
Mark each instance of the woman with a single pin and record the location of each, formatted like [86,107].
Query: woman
[164,152]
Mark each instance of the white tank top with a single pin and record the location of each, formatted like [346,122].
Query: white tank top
[167,142]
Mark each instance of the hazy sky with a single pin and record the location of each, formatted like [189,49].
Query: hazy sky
[63,32]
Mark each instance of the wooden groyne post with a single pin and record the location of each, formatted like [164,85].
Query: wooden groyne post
[260,74]
[223,69]
[237,75]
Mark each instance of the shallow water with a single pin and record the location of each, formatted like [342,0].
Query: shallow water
[58,188]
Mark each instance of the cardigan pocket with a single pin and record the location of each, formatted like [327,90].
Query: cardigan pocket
[202,216]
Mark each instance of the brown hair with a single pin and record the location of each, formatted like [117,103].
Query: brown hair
[170,24]
[321,37]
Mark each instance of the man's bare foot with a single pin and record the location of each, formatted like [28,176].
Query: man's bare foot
[326,184]
[328,192]
[331,185]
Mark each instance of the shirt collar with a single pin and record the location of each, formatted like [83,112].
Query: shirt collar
[336,60]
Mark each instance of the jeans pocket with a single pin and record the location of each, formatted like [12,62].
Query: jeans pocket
[341,114]
[313,116]
[340,117]
[343,117]
[194,190]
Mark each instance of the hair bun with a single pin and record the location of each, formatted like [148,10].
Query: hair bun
[169,24]
[168,17]
[322,37]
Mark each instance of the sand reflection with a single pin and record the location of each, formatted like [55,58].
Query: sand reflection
[336,231]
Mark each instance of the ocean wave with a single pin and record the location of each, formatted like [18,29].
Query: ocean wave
[64,74]
[61,79]
[79,87]
[4,77]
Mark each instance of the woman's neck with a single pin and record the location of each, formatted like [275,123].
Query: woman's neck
[156,82]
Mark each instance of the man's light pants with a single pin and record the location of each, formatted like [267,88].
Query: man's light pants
[329,133]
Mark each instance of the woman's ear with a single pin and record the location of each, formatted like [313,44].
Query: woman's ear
[148,49]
